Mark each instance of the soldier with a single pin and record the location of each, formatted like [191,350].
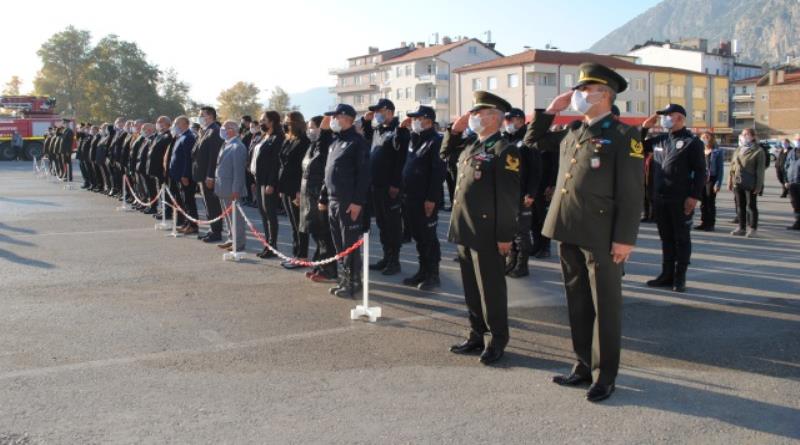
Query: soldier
[345,192]
[423,175]
[679,174]
[483,222]
[595,214]
[529,175]
[387,158]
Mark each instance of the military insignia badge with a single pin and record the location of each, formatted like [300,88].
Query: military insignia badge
[512,163]
[637,149]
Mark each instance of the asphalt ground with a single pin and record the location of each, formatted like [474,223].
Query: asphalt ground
[113,332]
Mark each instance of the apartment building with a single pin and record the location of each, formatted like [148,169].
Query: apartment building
[769,103]
[358,83]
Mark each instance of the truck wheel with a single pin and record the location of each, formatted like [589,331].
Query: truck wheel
[33,148]
[6,151]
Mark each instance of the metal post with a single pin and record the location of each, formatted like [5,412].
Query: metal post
[124,207]
[163,224]
[233,255]
[174,232]
[363,310]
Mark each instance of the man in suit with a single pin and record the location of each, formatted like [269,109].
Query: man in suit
[114,155]
[180,174]
[595,215]
[147,186]
[155,163]
[483,222]
[204,166]
[67,140]
[229,181]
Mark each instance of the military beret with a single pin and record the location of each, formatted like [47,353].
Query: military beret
[594,73]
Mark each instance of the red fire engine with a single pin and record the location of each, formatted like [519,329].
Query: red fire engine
[30,116]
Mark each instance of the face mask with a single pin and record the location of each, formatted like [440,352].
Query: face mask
[745,140]
[706,142]
[511,128]
[223,133]
[476,123]
[379,120]
[666,122]
[202,121]
[312,134]
[335,125]
[285,128]
[580,101]
[254,130]
[416,126]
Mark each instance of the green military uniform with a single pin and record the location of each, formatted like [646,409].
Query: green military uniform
[597,201]
[484,213]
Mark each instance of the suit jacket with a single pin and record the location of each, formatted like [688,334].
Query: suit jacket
[230,172]
[117,145]
[180,163]
[267,157]
[136,148]
[291,172]
[155,164]
[205,152]
[599,192]
[67,139]
[144,154]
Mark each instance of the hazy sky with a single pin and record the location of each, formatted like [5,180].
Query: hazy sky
[293,43]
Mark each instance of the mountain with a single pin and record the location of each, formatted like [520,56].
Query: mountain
[767,30]
[313,102]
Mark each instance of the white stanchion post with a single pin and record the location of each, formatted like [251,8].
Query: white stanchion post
[163,224]
[124,207]
[363,310]
[233,255]
[174,232]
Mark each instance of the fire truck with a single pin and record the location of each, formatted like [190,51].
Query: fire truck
[30,116]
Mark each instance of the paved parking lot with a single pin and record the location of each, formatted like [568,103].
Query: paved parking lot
[111,332]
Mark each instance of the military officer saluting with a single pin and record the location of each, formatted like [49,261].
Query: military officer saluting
[679,174]
[595,215]
[484,221]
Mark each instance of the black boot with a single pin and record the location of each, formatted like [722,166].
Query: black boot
[392,263]
[680,278]
[511,260]
[417,278]
[666,278]
[343,282]
[431,280]
[380,265]
[521,268]
[795,226]
[351,287]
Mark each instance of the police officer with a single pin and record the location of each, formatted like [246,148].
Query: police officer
[679,174]
[483,222]
[387,157]
[595,214]
[530,174]
[423,175]
[345,192]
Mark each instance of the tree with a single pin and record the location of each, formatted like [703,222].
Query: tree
[280,102]
[239,100]
[66,59]
[174,94]
[12,86]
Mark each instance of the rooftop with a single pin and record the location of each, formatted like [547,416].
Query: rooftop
[436,50]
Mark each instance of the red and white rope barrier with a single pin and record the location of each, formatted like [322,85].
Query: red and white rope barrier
[175,205]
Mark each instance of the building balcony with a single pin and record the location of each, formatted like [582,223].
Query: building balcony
[432,78]
[433,101]
[744,97]
[352,69]
[341,89]
[743,114]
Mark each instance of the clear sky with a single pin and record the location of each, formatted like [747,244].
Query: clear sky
[293,44]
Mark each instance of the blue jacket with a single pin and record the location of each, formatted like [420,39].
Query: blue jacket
[347,175]
[792,166]
[716,166]
[180,164]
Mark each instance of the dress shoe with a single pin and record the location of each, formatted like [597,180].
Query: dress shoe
[225,245]
[380,265]
[738,232]
[544,253]
[491,355]
[699,227]
[430,283]
[468,346]
[599,392]
[212,237]
[415,279]
[795,226]
[392,268]
[572,379]
[291,266]
[320,277]
[190,230]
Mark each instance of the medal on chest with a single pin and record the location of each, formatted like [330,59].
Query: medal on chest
[594,162]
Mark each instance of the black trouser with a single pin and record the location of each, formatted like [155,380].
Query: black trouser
[85,173]
[423,231]
[213,207]
[674,229]
[746,208]
[316,223]
[708,204]
[250,181]
[105,171]
[68,167]
[522,240]
[794,197]
[189,201]
[299,239]
[593,284]
[540,205]
[484,277]
[388,217]
[451,178]
[345,232]
[175,190]
[649,208]
[268,207]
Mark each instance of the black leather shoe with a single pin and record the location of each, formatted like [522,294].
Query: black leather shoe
[380,265]
[491,355]
[392,268]
[599,392]
[572,379]
[468,346]
[430,283]
[212,237]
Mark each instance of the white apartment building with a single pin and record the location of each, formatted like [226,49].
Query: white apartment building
[358,83]
[694,55]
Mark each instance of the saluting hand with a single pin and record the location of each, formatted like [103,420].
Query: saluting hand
[650,122]
[369,115]
[393,192]
[326,123]
[460,125]
[621,252]
[560,103]
[406,123]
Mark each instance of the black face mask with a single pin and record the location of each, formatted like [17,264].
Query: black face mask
[285,128]
[264,128]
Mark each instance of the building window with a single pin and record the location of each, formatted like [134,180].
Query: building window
[513,80]
[722,116]
[373,78]
[699,115]
[431,68]
[662,90]
[477,84]
[473,50]
[676,91]
[541,79]
[397,72]
[699,93]
[744,89]
[640,107]
[408,70]
[397,94]
[491,82]
[639,84]
[569,80]
[408,93]
[763,98]
[625,106]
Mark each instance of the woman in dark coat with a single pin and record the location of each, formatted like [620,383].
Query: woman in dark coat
[265,165]
[289,178]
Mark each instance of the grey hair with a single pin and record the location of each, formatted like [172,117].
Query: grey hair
[231,125]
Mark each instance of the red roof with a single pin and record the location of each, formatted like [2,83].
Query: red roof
[433,51]
[567,58]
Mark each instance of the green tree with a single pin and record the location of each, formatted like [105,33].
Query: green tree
[12,86]
[279,101]
[174,94]
[66,60]
[239,100]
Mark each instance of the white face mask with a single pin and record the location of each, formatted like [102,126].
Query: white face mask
[254,129]
[335,125]
[511,128]
[416,126]
[476,123]
[745,140]
[580,101]
[313,134]
[666,122]
[223,133]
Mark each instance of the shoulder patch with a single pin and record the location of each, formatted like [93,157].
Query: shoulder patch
[637,149]
[512,163]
